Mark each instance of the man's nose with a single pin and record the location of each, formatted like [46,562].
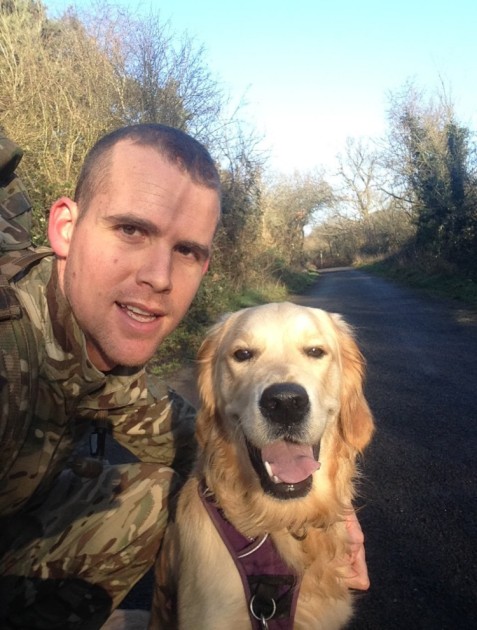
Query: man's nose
[156,271]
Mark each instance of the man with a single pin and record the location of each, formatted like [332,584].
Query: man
[129,253]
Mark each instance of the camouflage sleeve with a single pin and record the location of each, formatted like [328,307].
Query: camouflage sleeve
[162,432]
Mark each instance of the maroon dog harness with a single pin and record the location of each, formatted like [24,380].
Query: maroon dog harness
[271,590]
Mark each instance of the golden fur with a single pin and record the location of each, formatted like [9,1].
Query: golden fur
[241,357]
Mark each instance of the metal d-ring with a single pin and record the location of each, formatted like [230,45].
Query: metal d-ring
[262,617]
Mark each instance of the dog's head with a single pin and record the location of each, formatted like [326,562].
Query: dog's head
[281,385]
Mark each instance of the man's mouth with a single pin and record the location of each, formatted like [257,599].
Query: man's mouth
[138,314]
[285,468]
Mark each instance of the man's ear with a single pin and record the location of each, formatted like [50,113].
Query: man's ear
[61,224]
[205,267]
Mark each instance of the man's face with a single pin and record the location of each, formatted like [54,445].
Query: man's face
[136,259]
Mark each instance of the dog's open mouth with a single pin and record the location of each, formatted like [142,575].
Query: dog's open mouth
[285,468]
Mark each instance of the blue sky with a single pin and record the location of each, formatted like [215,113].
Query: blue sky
[314,72]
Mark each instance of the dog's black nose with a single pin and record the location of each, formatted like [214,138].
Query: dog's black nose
[284,403]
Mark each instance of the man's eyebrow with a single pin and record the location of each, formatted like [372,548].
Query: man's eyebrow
[133,220]
[149,226]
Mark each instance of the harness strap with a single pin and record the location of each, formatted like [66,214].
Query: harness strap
[270,589]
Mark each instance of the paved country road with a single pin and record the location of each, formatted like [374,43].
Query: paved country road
[419,488]
[419,492]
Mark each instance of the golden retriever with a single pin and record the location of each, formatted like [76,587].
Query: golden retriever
[282,420]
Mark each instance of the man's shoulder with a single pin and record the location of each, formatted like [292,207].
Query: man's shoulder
[16,264]
[18,372]
[156,387]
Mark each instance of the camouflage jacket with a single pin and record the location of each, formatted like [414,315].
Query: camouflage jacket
[145,416]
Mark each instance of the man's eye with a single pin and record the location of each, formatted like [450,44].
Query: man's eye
[185,251]
[128,230]
[189,252]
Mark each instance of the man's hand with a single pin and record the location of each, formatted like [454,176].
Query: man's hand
[355,570]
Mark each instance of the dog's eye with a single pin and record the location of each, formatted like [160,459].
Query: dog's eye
[315,352]
[242,354]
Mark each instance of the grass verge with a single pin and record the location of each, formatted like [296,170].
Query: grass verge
[433,281]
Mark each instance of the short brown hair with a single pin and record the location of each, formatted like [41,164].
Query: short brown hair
[175,145]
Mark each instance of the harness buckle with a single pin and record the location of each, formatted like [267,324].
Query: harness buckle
[260,615]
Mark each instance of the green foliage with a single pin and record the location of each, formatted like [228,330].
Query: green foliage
[293,280]
[290,204]
[346,241]
[437,171]
[417,190]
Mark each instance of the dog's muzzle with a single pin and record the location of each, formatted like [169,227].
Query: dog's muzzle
[286,464]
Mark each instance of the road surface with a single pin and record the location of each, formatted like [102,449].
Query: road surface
[419,492]
[419,489]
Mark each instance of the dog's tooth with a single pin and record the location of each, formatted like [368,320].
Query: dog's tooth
[273,477]
[268,468]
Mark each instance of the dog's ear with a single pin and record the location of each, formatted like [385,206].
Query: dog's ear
[356,421]
[206,358]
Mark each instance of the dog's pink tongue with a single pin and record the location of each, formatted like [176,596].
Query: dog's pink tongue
[290,463]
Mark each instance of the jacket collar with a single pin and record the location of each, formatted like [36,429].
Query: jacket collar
[65,363]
